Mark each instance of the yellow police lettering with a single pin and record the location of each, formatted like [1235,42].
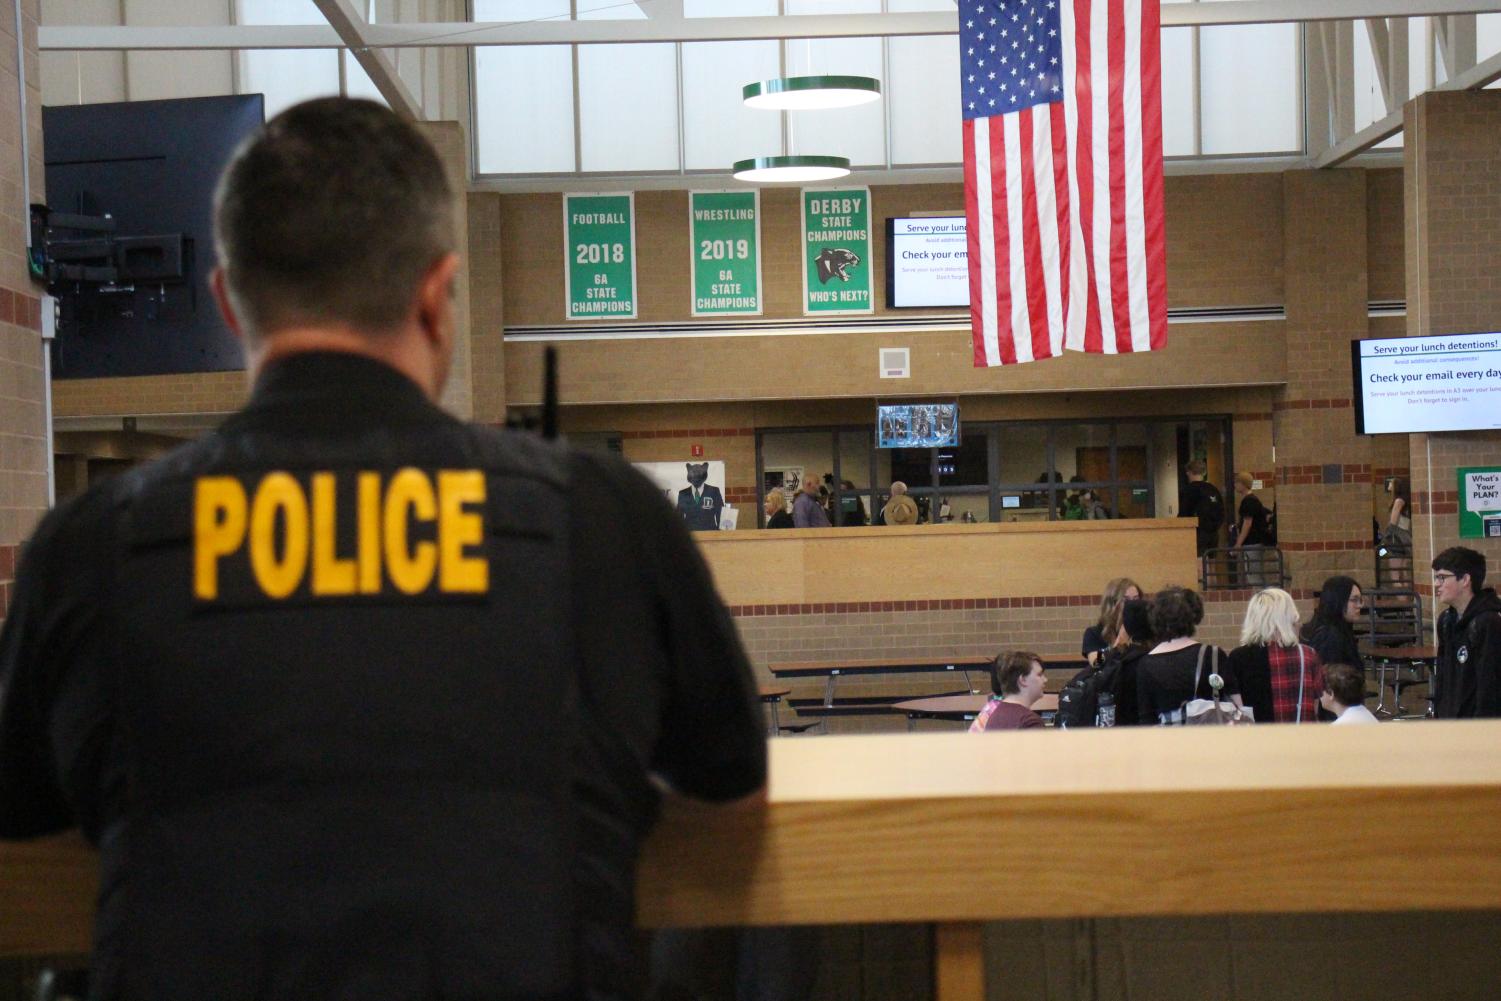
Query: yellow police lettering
[218,530]
[409,496]
[416,529]
[367,520]
[458,528]
[331,574]
[278,574]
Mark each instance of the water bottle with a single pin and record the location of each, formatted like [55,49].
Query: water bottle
[1106,714]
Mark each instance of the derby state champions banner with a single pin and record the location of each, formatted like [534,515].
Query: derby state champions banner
[836,251]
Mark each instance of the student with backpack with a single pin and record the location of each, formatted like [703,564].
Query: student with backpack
[1113,674]
[1202,500]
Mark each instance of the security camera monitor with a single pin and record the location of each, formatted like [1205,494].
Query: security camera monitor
[917,425]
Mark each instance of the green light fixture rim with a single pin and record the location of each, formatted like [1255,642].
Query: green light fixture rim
[796,160]
[792,84]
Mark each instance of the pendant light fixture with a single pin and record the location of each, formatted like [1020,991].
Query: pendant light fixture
[803,93]
[811,93]
[795,169]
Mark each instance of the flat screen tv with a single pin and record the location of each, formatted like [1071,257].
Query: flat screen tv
[138,301]
[1446,382]
[927,262]
[917,425]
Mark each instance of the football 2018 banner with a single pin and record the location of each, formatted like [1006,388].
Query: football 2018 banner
[1062,105]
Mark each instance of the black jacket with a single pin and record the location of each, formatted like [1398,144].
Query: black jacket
[1468,675]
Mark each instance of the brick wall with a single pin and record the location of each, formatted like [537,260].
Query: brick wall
[1452,165]
[23,448]
[1323,467]
[487,307]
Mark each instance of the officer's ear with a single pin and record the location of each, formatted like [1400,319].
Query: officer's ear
[218,283]
[435,294]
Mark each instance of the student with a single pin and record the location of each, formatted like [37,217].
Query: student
[1344,695]
[1280,678]
[1165,676]
[1252,532]
[1397,536]
[1106,631]
[1332,631]
[1202,500]
[1017,681]
[1468,673]
[1136,640]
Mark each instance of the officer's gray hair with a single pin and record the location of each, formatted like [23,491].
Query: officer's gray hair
[332,213]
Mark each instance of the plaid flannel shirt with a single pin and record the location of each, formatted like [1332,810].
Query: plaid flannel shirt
[1283,663]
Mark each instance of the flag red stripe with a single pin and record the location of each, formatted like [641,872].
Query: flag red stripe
[976,256]
[1120,291]
[1001,214]
[1037,296]
[1084,171]
[1060,188]
[1151,172]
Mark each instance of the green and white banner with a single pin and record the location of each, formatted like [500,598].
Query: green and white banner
[725,227]
[836,251]
[1479,502]
[600,250]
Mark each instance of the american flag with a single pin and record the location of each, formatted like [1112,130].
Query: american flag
[1063,176]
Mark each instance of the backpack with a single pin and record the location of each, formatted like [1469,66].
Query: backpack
[1079,700]
[1211,510]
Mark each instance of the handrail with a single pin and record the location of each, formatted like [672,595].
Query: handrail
[1233,569]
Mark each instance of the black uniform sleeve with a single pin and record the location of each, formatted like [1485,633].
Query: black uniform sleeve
[52,707]
[712,744]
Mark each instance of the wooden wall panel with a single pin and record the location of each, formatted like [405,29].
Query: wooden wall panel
[937,562]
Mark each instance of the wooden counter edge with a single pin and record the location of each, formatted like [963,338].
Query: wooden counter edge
[751,534]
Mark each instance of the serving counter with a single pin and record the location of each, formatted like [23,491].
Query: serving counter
[938,562]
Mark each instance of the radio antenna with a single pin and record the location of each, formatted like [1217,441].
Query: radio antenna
[550,393]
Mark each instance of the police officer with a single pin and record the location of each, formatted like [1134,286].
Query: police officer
[356,700]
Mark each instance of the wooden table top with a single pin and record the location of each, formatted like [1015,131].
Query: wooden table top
[1400,652]
[916,665]
[883,665]
[961,704]
[773,694]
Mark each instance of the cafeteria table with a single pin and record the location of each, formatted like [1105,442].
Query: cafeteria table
[1419,659]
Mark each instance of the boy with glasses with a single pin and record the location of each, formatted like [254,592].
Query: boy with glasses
[1468,673]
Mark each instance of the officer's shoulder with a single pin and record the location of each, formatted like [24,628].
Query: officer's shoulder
[88,521]
[521,453]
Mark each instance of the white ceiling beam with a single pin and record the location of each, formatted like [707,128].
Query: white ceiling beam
[1474,78]
[351,27]
[666,28]
[1361,141]
[1381,54]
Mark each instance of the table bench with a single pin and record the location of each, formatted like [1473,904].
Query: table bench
[833,670]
